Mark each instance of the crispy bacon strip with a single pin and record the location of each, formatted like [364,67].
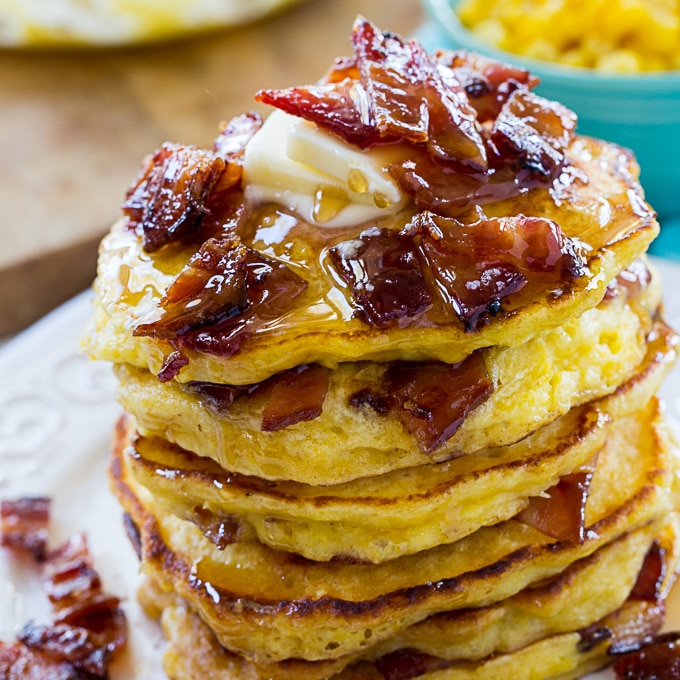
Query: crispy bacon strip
[234,135]
[23,525]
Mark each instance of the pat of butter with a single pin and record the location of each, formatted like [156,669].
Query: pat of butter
[324,179]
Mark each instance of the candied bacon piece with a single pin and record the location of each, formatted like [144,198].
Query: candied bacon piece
[77,646]
[411,98]
[18,662]
[658,660]
[535,131]
[562,514]
[290,397]
[174,192]
[172,365]
[211,286]
[433,399]
[218,397]
[652,575]
[23,524]
[330,106]
[401,94]
[384,275]
[234,135]
[294,396]
[443,189]
[271,290]
[475,266]
[88,625]
[487,82]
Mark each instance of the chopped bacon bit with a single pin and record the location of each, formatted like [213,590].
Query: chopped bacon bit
[488,83]
[211,286]
[23,525]
[593,636]
[220,530]
[659,660]
[534,131]
[178,187]
[402,93]
[475,266]
[218,398]
[79,647]
[234,135]
[562,514]
[225,287]
[411,98]
[88,626]
[173,364]
[385,277]
[18,662]
[291,397]
[431,399]
[294,396]
[637,627]
[652,575]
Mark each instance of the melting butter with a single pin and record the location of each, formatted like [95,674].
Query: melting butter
[324,179]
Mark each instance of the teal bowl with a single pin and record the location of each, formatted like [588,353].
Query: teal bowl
[640,112]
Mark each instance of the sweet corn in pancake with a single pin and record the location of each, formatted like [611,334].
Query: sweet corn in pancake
[555,608]
[586,358]
[605,212]
[380,518]
[270,605]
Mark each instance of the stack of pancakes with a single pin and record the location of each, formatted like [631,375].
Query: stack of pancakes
[319,491]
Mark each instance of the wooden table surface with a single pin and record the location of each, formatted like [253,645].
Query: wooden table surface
[74,127]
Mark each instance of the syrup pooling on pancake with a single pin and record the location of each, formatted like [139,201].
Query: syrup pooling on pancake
[417,275]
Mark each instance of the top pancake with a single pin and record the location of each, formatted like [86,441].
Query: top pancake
[502,226]
[607,215]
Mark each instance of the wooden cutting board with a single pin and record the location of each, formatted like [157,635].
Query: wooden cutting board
[75,125]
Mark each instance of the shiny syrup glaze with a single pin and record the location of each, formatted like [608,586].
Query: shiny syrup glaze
[475,139]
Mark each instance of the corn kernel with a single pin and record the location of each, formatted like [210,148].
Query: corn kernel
[624,36]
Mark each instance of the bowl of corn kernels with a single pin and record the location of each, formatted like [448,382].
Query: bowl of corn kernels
[615,62]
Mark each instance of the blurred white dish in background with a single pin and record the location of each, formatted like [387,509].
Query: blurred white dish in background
[73,23]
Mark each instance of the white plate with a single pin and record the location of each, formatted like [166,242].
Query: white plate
[56,418]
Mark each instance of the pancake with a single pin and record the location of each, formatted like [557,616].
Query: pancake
[270,605]
[553,616]
[380,518]
[586,358]
[606,214]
